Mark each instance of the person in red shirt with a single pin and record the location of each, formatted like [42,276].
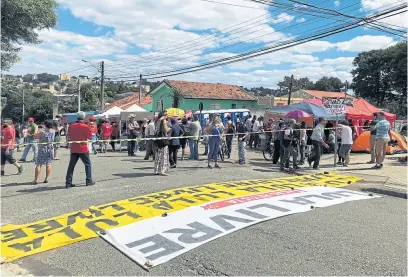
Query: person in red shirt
[94,129]
[8,138]
[79,133]
[114,135]
[105,134]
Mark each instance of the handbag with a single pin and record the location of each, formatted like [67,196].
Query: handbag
[161,143]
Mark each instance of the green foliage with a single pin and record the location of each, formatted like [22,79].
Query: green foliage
[20,21]
[329,84]
[302,83]
[381,77]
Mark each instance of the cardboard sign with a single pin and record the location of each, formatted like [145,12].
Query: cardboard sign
[336,106]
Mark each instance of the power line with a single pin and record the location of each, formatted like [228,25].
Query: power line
[229,4]
[214,50]
[266,50]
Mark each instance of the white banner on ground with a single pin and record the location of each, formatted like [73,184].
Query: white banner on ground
[157,240]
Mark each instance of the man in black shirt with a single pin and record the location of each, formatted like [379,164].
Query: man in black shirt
[289,143]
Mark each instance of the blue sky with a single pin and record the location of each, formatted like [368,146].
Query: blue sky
[145,37]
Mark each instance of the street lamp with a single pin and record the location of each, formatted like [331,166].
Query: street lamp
[86,61]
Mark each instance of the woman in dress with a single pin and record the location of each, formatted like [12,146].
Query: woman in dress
[215,130]
[161,157]
[45,150]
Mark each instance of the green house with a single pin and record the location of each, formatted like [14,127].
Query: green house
[188,95]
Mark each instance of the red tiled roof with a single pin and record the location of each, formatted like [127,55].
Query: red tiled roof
[320,94]
[208,90]
[126,102]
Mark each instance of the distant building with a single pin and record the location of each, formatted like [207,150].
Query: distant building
[277,101]
[83,78]
[35,77]
[130,98]
[65,77]
[49,88]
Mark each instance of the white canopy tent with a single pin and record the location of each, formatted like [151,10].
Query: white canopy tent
[112,112]
[135,108]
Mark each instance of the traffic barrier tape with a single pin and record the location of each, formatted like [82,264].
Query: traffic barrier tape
[23,240]
[161,138]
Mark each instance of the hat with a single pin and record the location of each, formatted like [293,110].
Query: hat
[131,116]
[80,115]
[31,119]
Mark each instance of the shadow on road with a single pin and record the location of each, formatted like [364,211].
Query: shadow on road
[17,184]
[40,189]
[134,174]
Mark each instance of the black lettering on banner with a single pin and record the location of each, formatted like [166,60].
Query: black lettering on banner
[47,226]
[268,206]
[69,232]
[28,246]
[97,213]
[300,200]
[183,200]
[340,194]
[91,225]
[143,200]
[251,182]
[114,206]
[128,213]
[285,186]
[224,192]
[159,242]
[265,187]
[72,217]
[229,185]
[206,187]
[334,182]
[251,214]
[163,205]
[221,220]
[160,195]
[199,196]
[189,190]
[12,235]
[191,235]
[250,189]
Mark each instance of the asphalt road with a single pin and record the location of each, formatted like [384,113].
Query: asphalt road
[356,238]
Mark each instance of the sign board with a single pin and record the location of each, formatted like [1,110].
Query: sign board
[159,239]
[336,106]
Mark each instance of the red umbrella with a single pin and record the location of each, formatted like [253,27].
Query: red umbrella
[297,114]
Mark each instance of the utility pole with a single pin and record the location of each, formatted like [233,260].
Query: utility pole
[345,91]
[290,89]
[79,95]
[103,85]
[140,90]
[22,122]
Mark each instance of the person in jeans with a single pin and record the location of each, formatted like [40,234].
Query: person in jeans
[346,142]
[302,142]
[242,134]
[31,141]
[114,135]
[382,137]
[183,141]
[174,144]
[194,131]
[149,133]
[373,133]
[79,131]
[277,142]
[289,144]
[317,142]
[215,129]
[229,130]
[132,126]
[8,137]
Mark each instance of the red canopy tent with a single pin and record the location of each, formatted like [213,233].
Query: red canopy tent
[363,105]
[353,113]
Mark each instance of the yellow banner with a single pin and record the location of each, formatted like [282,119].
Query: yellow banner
[23,240]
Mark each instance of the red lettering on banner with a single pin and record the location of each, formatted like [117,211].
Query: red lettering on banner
[249,198]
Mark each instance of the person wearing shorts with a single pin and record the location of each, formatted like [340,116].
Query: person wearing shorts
[8,138]
[346,135]
[382,137]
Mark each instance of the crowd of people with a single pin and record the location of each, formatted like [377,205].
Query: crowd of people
[162,138]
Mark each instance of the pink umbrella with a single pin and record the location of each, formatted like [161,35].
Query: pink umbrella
[297,114]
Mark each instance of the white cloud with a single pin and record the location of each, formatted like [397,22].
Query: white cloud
[375,5]
[365,43]
[337,3]
[313,46]
[301,20]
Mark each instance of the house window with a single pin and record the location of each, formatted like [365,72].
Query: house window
[233,106]
[245,106]
[159,105]
[215,106]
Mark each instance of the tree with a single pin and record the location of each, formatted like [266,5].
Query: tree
[329,84]
[47,78]
[381,76]
[302,83]
[20,21]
